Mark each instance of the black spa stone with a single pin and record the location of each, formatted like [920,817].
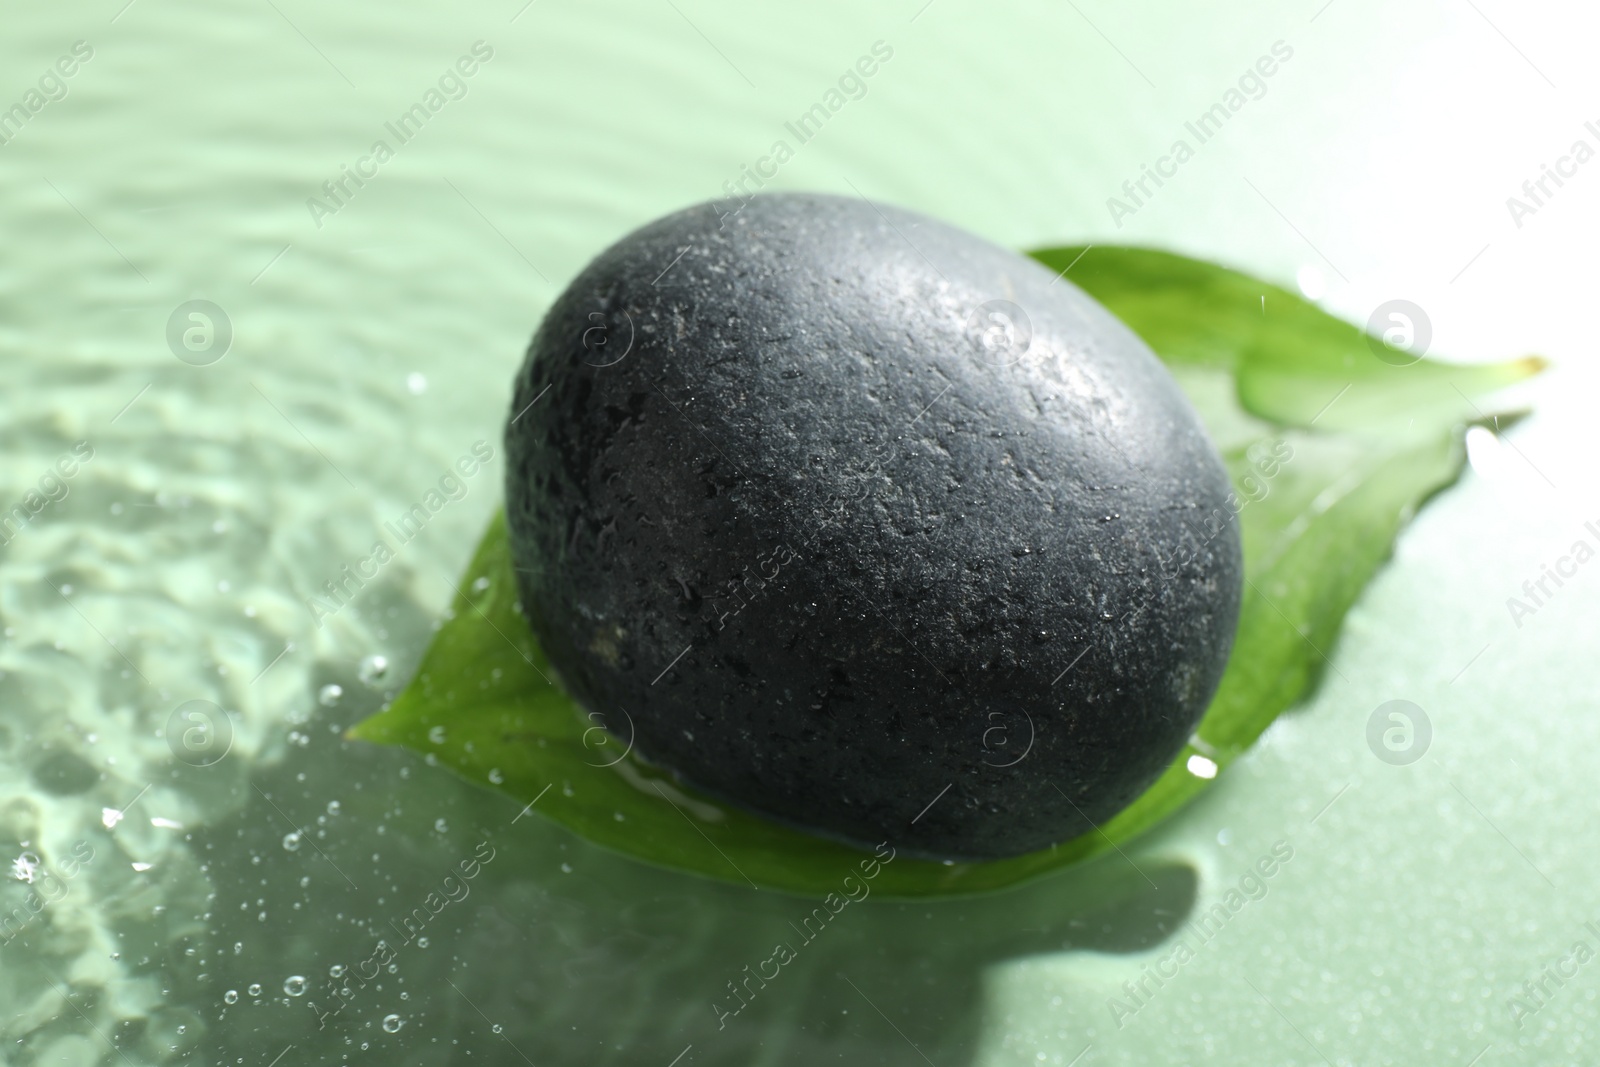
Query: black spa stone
[870,526]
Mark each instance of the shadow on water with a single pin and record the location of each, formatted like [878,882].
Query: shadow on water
[558,952]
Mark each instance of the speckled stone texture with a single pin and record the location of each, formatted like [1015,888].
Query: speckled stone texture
[869,525]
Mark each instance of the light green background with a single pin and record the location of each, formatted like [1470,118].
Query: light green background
[1376,166]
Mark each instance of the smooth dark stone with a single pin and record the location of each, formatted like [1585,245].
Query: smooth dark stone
[869,525]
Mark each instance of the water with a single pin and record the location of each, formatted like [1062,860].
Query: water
[172,706]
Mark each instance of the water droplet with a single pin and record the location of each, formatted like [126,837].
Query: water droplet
[416,383]
[336,971]
[329,694]
[254,989]
[436,735]
[231,997]
[374,670]
[393,1023]
[291,841]
[295,985]
[495,776]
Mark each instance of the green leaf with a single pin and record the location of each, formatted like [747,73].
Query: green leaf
[1293,363]
[1320,499]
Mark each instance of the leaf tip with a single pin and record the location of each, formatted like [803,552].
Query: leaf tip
[1528,366]
[372,729]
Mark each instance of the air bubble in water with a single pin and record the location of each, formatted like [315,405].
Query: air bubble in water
[393,1023]
[497,1028]
[436,735]
[480,584]
[374,669]
[440,826]
[416,383]
[295,985]
[231,997]
[291,841]
[422,942]
[495,776]
[329,695]
[254,989]
[336,971]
